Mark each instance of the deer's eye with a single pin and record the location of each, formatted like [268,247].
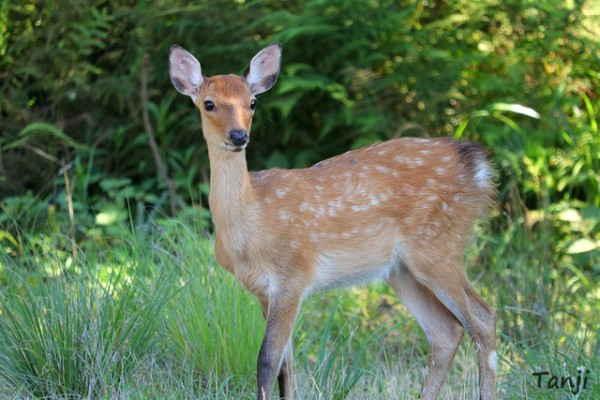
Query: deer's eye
[209,105]
[253,104]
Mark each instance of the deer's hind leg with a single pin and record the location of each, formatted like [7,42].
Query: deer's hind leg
[444,332]
[447,281]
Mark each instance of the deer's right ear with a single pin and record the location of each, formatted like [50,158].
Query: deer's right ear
[185,71]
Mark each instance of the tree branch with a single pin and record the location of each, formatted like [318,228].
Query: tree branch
[152,140]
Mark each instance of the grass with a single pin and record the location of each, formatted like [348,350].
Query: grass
[153,316]
[79,334]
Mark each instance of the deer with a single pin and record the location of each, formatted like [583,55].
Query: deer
[401,211]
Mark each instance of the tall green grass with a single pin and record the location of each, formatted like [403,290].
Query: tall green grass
[80,331]
[214,327]
[153,316]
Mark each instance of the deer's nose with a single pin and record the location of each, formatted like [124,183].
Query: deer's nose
[239,137]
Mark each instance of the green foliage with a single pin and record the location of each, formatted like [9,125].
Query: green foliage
[353,73]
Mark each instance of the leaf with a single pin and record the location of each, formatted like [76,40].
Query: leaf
[591,112]
[582,246]
[35,128]
[287,103]
[306,83]
[517,109]
[461,128]
[570,215]
[307,30]
[114,183]
[591,214]
[6,235]
[294,68]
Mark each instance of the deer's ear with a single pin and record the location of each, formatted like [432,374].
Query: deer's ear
[264,68]
[185,71]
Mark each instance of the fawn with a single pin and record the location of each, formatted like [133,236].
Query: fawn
[401,211]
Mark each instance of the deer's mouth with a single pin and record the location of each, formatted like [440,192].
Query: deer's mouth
[235,148]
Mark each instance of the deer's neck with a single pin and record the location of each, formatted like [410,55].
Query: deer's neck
[230,189]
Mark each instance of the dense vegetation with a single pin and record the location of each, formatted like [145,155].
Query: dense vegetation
[108,284]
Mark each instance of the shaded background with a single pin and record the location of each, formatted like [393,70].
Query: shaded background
[354,72]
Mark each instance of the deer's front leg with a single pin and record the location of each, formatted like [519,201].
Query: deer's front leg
[276,345]
[286,373]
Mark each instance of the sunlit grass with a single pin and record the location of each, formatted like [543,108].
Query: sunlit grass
[154,316]
[214,327]
[69,332]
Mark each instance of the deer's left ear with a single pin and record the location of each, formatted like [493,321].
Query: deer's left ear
[264,68]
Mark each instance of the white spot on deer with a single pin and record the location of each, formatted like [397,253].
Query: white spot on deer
[370,230]
[445,206]
[285,216]
[439,170]
[411,162]
[383,169]
[309,223]
[335,206]
[457,198]
[281,193]
[382,152]
[431,182]
[304,206]
[432,197]
[337,203]
[363,207]
[383,197]
[446,158]
[295,245]
[374,200]
[407,190]
[319,188]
